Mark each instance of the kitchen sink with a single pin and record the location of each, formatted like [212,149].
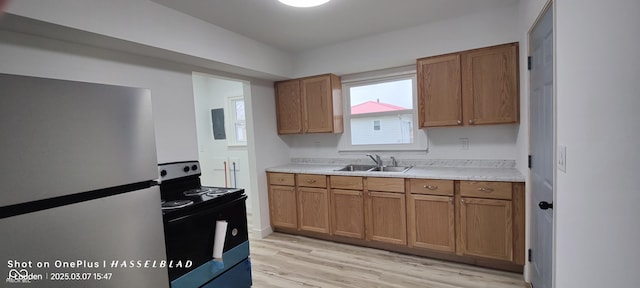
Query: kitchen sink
[398,169]
[357,167]
[373,168]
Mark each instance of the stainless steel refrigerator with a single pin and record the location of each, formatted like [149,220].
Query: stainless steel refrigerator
[77,203]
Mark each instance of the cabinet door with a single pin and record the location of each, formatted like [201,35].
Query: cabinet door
[431,222]
[318,104]
[490,85]
[486,228]
[282,206]
[313,208]
[288,107]
[347,213]
[387,218]
[439,91]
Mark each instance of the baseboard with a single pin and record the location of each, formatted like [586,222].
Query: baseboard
[264,232]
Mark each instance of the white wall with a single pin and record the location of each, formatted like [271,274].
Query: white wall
[403,47]
[266,148]
[485,142]
[170,84]
[153,25]
[212,93]
[596,205]
[172,99]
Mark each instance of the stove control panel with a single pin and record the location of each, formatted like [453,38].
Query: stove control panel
[168,171]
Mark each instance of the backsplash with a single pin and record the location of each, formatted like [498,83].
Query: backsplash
[412,162]
[490,142]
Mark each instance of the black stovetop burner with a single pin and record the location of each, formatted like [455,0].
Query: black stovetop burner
[196,198]
[175,204]
[182,192]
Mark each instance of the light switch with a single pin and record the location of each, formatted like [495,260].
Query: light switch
[562,158]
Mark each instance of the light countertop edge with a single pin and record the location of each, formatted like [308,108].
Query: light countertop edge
[418,172]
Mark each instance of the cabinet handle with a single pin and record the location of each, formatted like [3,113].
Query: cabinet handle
[459,122]
[450,199]
[431,187]
[484,189]
[311,181]
[461,200]
[472,121]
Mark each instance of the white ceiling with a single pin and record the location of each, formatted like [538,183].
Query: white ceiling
[299,29]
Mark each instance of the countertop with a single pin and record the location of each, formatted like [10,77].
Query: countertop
[426,172]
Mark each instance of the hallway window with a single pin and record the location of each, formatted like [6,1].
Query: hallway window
[238,123]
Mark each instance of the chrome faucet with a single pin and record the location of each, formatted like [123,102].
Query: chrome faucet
[377,159]
[394,162]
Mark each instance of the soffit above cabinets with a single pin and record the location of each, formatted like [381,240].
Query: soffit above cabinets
[298,29]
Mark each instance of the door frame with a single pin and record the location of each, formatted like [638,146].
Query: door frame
[549,4]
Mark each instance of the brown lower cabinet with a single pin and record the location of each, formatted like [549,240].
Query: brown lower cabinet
[347,206]
[486,219]
[313,208]
[486,228]
[386,210]
[474,222]
[313,203]
[347,213]
[432,222]
[283,206]
[431,214]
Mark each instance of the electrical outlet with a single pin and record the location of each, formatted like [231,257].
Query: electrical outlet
[562,158]
[464,143]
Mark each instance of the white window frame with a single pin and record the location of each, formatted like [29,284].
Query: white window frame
[376,126]
[232,138]
[420,142]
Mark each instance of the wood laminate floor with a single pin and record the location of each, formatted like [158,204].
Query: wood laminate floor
[289,261]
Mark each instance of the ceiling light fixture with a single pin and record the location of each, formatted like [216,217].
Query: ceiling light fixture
[303,3]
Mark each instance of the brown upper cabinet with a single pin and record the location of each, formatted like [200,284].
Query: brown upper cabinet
[474,87]
[309,105]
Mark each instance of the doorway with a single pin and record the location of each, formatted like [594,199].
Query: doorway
[542,141]
[221,130]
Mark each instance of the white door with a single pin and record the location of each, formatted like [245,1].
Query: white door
[542,143]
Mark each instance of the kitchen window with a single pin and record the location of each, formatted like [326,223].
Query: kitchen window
[380,111]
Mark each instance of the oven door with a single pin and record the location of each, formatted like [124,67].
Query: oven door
[189,240]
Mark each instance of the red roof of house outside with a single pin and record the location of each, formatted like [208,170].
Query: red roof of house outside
[373,107]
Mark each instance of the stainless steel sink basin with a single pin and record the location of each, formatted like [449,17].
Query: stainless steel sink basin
[398,169]
[373,168]
[356,167]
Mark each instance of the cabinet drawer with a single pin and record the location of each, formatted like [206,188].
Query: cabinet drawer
[385,184]
[493,190]
[284,179]
[346,182]
[432,187]
[311,180]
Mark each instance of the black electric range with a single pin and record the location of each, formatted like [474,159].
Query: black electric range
[190,214]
